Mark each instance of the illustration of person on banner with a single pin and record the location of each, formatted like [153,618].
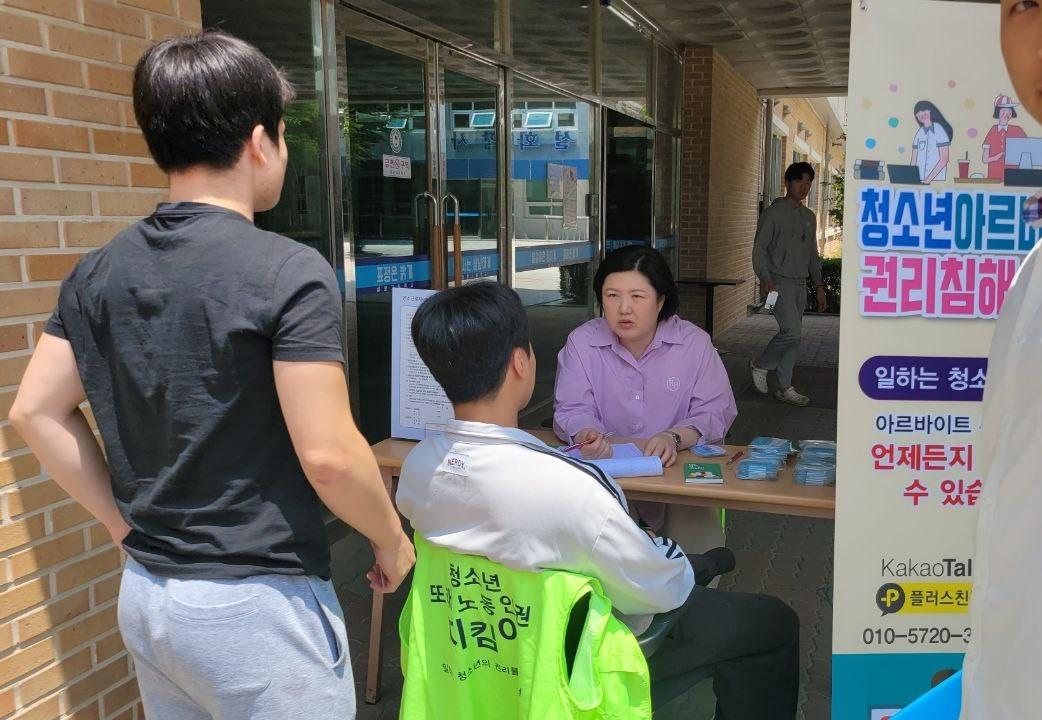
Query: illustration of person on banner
[995,140]
[931,147]
[999,682]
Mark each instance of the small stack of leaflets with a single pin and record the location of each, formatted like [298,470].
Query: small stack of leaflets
[703,473]
[817,464]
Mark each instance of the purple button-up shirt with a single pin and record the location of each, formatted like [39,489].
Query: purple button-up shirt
[679,382]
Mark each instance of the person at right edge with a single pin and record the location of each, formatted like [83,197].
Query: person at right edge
[785,252]
[1000,681]
[211,353]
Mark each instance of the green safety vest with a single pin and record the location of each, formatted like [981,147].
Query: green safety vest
[480,640]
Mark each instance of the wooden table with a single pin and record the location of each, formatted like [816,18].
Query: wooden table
[780,497]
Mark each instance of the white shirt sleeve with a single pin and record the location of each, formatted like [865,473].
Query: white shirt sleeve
[639,575]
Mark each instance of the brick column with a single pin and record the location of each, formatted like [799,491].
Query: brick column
[74,170]
[721,150]
[693,225]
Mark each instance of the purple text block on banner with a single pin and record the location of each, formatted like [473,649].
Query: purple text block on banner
[906,377]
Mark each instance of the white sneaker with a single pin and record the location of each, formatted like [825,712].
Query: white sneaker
[759,378]
[789,395]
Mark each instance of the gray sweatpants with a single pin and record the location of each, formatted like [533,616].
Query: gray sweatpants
[269,647]
[783,350]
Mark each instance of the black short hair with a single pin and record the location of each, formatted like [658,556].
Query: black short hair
[998,110]
[198,98]
[647,261]
[466,336]
[796,171]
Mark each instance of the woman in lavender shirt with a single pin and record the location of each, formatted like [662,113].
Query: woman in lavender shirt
[640,372]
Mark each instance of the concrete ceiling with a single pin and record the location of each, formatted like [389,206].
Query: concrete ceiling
[780,46]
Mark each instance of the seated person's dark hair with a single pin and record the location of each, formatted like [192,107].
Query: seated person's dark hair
[198,98]
[649,262]
[796,171]
[466,335]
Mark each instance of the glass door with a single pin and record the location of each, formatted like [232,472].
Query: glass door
[471,130]
[389,192]
[628,181]
[420,141]
[553,189]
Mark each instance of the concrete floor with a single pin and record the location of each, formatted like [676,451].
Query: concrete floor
[785,556]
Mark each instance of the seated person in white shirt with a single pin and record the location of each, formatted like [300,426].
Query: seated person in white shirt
[515,500]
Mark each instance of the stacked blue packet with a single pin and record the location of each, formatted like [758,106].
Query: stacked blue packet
[770,449]
[759,469]
[824,455]
[817,445]
[773,445]
[813,473]
[817,464]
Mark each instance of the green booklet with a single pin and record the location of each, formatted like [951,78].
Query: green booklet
[708,473]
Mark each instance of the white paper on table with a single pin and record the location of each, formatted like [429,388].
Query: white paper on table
[417,399]
[704,481]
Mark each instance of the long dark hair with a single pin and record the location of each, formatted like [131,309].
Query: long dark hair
[935,115]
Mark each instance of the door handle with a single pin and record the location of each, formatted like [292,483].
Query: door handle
[416,224]
[457,240]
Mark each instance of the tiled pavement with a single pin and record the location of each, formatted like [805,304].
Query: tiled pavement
[785,556]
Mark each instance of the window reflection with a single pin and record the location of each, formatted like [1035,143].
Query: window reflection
[282,30]
[475,21]
[666,200]
[470,171]
[567,53]
[384,151]
[668,90]
[552,138]
[628,183]
[383,115]
[626,62]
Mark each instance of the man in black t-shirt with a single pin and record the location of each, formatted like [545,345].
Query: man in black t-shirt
[210,352]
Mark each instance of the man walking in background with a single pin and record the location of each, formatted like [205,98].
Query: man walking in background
[785,252]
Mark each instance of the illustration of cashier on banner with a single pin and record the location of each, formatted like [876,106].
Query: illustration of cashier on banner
[995,141]
[932,144]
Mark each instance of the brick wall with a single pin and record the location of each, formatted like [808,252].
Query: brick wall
[693,219]
[719,184]
[734,187]
[73,171]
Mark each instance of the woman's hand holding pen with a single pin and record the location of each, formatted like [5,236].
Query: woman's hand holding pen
[596,445]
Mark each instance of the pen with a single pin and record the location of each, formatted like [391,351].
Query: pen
[584,443]
[735,456]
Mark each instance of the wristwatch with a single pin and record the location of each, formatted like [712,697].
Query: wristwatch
[676,438]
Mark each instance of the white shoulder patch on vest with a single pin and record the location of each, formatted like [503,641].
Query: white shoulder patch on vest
[456,464]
